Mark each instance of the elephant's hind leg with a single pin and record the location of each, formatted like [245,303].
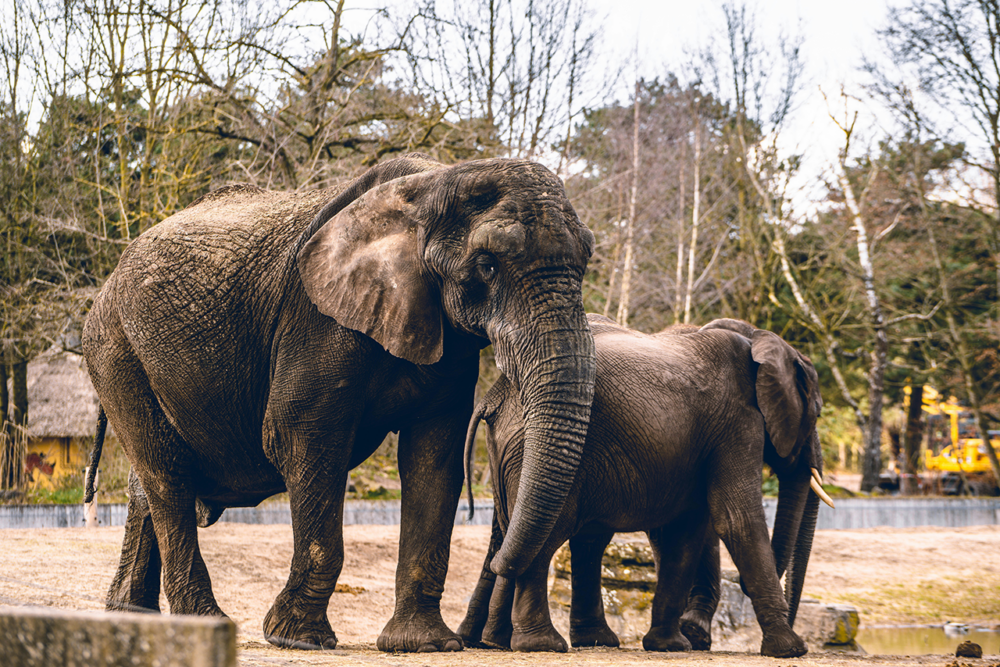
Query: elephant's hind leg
[163,465]
[587,624]
[477,616]
[136,586]
[677,548]
[696,623]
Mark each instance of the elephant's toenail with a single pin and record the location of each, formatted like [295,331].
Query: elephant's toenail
[427,648]
[453,645]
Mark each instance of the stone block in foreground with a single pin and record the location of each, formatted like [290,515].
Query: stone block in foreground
[45,637]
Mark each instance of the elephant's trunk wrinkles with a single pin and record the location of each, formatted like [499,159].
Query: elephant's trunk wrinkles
[793,487]
[795,525]
[800,557]
[556,388]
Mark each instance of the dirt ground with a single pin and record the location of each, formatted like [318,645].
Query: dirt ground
[922,575]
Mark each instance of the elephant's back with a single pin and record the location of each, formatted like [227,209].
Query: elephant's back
[196,298]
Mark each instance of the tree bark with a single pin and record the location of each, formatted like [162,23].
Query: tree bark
[678,280]
[695,215]
[15,440]
[872,459]
[623,304]
[912,437]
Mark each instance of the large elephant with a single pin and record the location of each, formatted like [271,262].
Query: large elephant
[680,426]
[258,342]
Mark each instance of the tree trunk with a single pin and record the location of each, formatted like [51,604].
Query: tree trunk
[695,215]
[913,435]
[6,451]
[872,461]
[678,280]
[622,318]
[15,448]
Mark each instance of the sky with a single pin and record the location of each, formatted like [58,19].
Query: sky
[836,34]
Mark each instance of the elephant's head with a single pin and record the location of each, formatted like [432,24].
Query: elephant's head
[787,389]
[417,256]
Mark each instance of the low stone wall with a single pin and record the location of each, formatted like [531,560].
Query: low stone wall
[851,513]
[46,637]
[628,578]
[356,512]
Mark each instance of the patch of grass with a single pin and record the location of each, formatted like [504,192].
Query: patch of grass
[381,493]
[928,601]
[68,490]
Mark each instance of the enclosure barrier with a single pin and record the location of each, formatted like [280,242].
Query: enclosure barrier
[851,513]
[46,637]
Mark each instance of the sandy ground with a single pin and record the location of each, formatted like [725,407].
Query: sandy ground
[924,575]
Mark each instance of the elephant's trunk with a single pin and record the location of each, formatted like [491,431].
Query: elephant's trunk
[555,379]
[793,488]
[800,557]
[795,521]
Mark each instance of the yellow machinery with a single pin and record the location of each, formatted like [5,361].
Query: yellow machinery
[954,457]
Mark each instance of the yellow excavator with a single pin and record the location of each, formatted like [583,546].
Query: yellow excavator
[955,459]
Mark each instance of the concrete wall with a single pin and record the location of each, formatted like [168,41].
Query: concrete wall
[850,513]
[45,637]
[902,512]
[363,512]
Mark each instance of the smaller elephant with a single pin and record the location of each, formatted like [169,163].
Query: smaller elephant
[681,424]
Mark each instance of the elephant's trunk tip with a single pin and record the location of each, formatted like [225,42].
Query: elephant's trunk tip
[503,566]
[816,484]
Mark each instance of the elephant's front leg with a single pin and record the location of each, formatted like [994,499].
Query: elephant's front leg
[588,625]
[430,470]
[696,623]
[316,482]
[738,516]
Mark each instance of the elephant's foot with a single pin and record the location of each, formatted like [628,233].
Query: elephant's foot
[698,630]
[783,644]
[544,638]
[659,639]
[424,633]
[136,606]
[595,634]
[471,638]
[288,629]
[497,635]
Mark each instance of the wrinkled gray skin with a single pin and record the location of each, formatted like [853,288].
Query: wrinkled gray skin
[258,342]
[680,425]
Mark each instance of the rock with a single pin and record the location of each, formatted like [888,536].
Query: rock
[969,650]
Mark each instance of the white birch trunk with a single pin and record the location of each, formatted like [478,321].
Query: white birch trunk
[695,215]
[623,304]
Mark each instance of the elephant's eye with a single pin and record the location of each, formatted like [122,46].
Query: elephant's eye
[487,267]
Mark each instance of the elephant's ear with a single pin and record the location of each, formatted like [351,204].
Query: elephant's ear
[782,390]
[363,268]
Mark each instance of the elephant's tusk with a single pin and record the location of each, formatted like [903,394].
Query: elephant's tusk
[816,483]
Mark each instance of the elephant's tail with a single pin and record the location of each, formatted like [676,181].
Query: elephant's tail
[89,487]
[470,449]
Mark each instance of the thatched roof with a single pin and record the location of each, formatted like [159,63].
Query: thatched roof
[61,400]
